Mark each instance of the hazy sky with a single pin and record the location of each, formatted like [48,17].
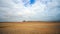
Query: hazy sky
[29,10]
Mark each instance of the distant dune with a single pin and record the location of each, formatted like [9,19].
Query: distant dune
[30,27]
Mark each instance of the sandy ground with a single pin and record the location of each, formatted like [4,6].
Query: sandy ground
[30,28]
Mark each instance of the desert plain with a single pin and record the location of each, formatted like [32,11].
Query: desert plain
[30,27]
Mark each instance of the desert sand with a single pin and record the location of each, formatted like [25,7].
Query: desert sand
[30,27]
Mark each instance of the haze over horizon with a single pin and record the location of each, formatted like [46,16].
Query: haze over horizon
[29,10]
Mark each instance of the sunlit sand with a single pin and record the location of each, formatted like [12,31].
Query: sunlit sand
[30,28]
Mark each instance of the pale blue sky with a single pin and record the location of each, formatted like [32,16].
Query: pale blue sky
[29,10]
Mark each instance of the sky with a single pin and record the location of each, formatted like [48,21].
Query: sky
[29,10]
